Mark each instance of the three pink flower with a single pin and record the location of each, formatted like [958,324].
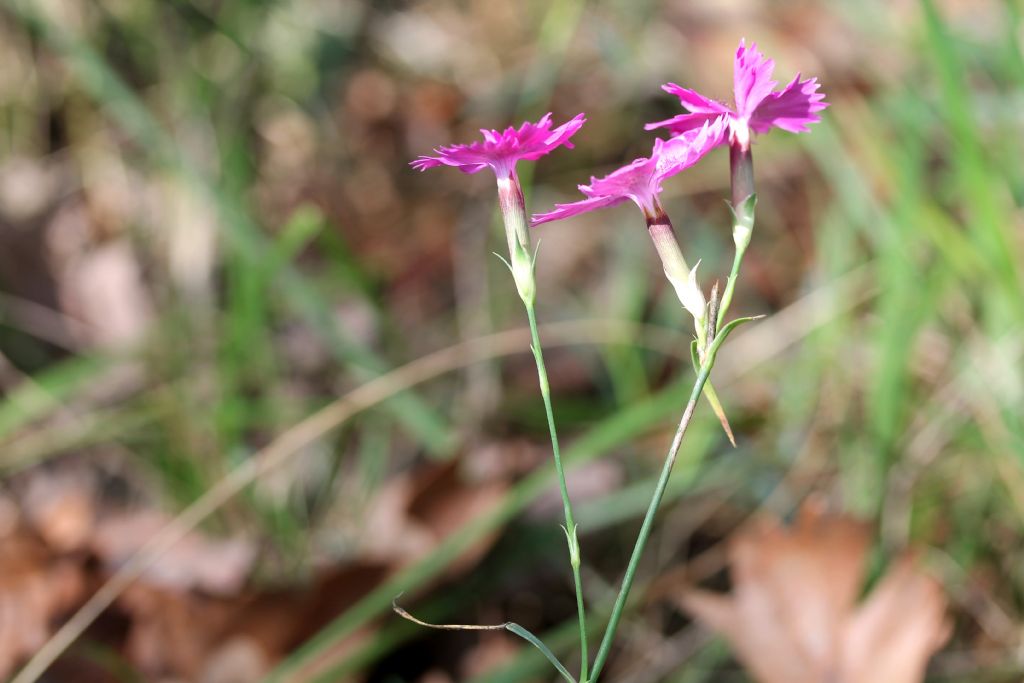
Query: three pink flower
[707,124]
[758,107]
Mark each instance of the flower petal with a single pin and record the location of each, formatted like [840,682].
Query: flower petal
[466,158]
[583,206]
[685,150]
[677,125]
[640,180]
[543,141]
[423,163]
[752,78]
[694,101]
[500,150]
[632,181]
[701,110]
[791,109]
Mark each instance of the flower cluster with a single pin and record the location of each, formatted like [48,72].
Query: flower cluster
[758,107]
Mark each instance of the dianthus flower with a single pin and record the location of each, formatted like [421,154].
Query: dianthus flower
[758,106]
[640,182]
[500,150]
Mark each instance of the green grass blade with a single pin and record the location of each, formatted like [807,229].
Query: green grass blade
[537,643]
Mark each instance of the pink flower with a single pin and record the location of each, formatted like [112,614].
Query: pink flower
[640,181]
[501,150]
[758,106]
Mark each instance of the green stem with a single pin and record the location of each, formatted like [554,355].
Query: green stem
[648,523]
[570,523]
[744,199]
[730,285]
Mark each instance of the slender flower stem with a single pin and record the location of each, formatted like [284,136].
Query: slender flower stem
[741,167]
[521,263]
[648,523]
[730,285]
[570,523]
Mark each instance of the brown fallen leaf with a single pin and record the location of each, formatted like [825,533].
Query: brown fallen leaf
[219,567]
[239,660]
[416,510]
[223,639]
[35,589]
[409,516]
[172,632]
[792,616]
[61,507]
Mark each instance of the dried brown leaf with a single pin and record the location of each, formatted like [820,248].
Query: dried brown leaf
[895,631]
[61,507]
[219,567]
[35,588]
[792,616]
[171,632]
[416,510]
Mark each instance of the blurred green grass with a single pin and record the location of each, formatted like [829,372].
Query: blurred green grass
[904,405]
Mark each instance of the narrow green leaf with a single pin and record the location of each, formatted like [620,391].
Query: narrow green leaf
[536,642]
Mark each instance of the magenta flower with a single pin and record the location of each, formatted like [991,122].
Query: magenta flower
[758,106]
[502,149]
[640,181]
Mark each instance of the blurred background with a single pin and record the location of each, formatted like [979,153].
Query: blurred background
[216,266]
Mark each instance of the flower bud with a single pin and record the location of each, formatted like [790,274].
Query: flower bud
[743,222]
[522,273]
[693,300]
[574,546]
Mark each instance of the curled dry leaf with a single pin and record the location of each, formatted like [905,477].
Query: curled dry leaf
[792,616]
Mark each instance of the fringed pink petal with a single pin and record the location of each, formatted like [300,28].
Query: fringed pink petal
[792,109]
[500,150]
[677,125]
[632,181]
[685,150]
[752,78]
[694,101]
[575,208]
